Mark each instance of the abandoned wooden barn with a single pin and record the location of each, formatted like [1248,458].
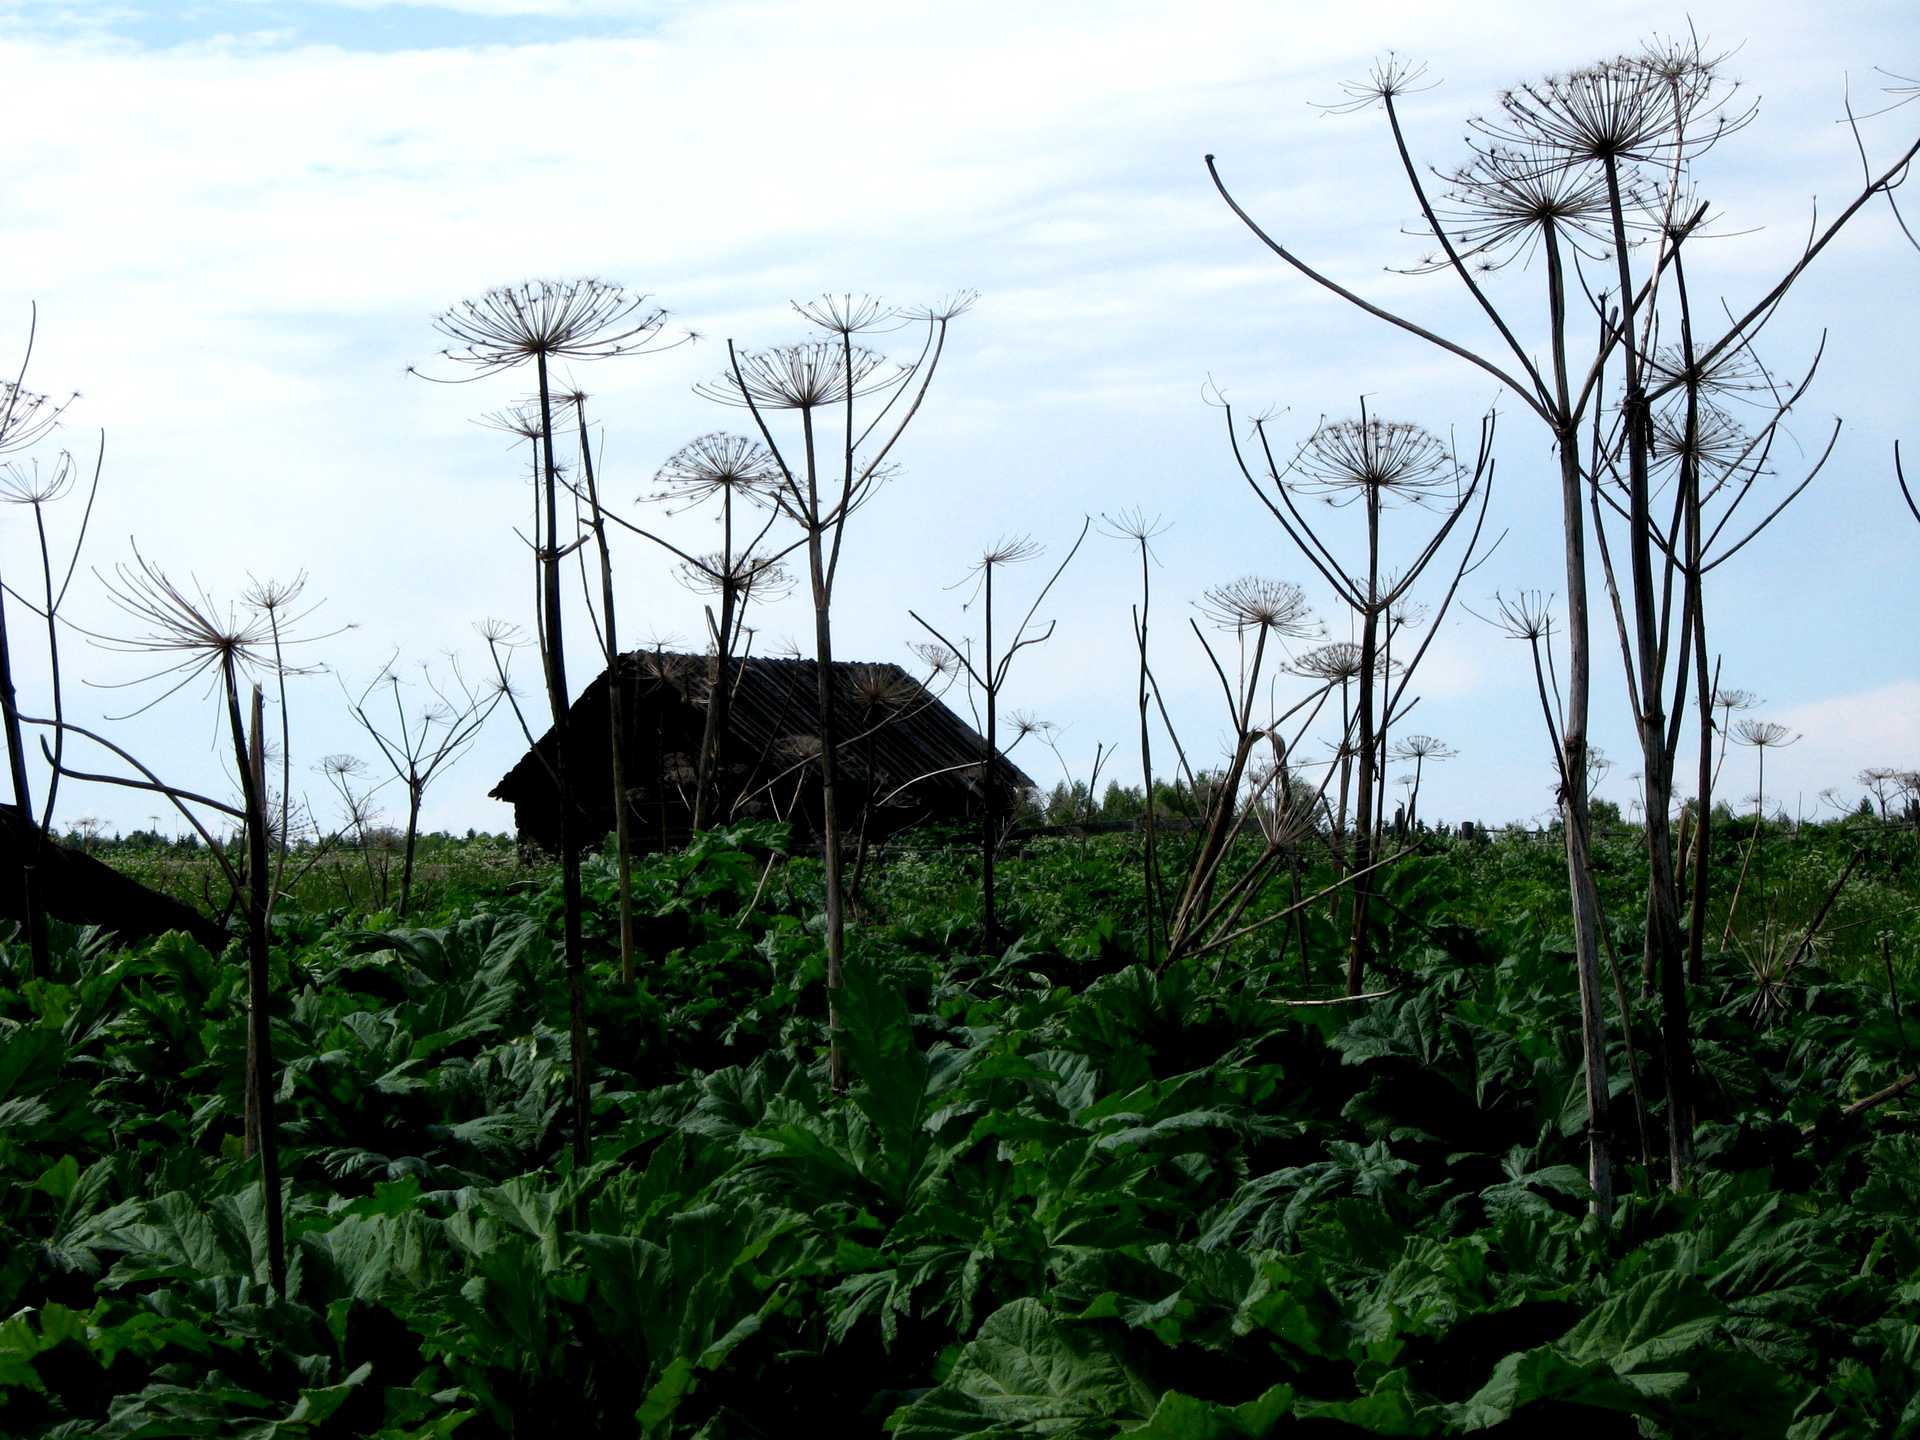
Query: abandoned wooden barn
[904,757]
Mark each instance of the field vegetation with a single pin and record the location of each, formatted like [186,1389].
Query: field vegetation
[1065,1193]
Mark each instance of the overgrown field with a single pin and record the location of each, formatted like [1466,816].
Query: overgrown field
[1065,1195]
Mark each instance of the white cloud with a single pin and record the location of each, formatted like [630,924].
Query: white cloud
[237,246]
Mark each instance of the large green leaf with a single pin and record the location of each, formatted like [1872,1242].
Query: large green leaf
[1027,1374]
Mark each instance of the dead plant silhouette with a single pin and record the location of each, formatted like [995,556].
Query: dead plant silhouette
[27,418]
[814,381]
[1378,464]
[1565,168]
[541,322]
[990,678]
[418,747]
[195,638]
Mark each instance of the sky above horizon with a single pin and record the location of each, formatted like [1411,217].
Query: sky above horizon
[238,219]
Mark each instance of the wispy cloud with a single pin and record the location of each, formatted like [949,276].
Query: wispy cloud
[238,219]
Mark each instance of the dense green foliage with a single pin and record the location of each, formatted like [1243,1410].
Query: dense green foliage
[1064,1197]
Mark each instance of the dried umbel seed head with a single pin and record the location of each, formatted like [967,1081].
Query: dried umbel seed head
[880,687]
[1392,75]
[1337,661]
[717,463]
[1729,699]
[274,596]
[502,633]
[26,417]
[750,577]
[1666,104]
[1719,449]
[1135,525]
[1254,602]
[30,483]
[1405,614]
[1763,734]
[800,377]
[1423,747]
[848,314]
[1525,615]
[1502,201]
[1386,459]
[520,420]
[194,633]
[1010,550]
[1021,724]
[664,664]
[549,319]
[938,658]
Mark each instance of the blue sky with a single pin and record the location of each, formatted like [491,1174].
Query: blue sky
[238,220]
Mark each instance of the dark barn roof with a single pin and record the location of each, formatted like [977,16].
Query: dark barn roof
[903,756]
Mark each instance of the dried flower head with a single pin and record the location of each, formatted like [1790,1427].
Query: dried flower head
[713,464]
[26,417]
[1500,203]
[1526,615]
[29,484]
[848,314]
[1387,459]
[1771,961]
[750,577]
[938,658]
[549,319]
[800,377]
[1719,442]
[1254,602]
[881,687]
[520,420]
[1009,550]
[1392,75]
[1134,524]
[194,633]
[1763,734]
[1021,724]
[1665,105]
[950,306]
[1730,699]
[1423,747]
[661,663]
[502,633]
[1337,661]
[273,596]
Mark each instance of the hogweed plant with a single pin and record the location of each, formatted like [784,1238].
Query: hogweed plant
[986,671]
[1574,171]
[1140,530]
[1420,749]
[834,465]
[1760,736]
[418,744]
[541,323]
[739,473]
[194,639]
[1258,612]
[1375,464]
[26,418]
